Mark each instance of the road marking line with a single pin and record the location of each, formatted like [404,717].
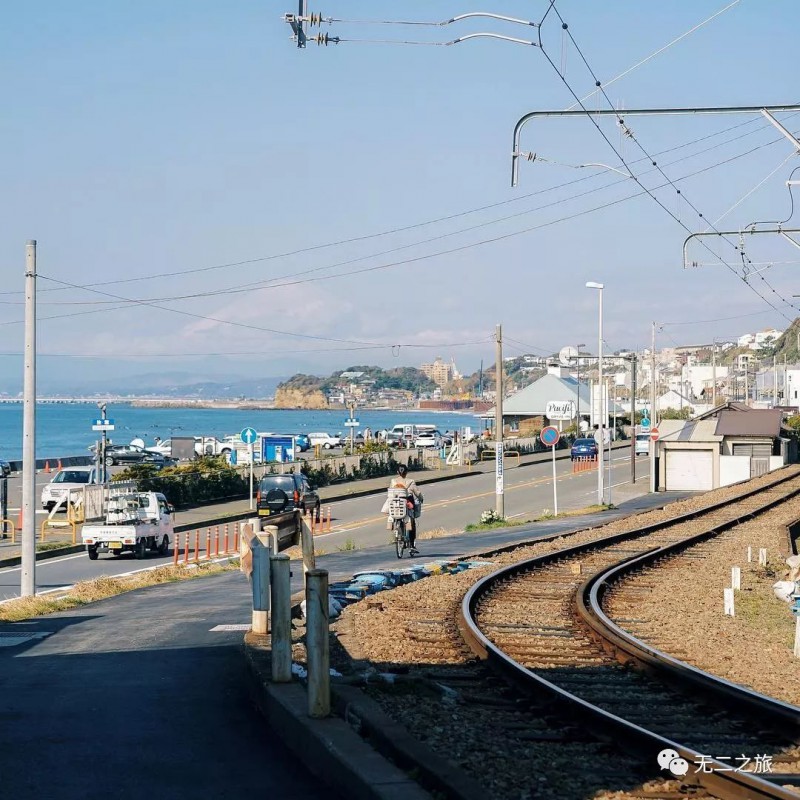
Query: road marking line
[13,638]
[221,628]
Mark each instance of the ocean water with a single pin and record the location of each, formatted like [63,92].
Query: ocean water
[66,430]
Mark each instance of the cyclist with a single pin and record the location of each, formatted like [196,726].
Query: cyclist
[402,481]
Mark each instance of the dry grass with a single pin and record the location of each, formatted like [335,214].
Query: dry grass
[100,588]
[437,533]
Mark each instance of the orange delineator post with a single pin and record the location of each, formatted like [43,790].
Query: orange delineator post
[59,463]
[47,466]
[225,541]
[216,542]
[208,543]
[186,551]
[196,546]
[176,547]
[311,524]
[236,538]
[328,527]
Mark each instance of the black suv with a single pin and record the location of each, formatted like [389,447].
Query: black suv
[280,493]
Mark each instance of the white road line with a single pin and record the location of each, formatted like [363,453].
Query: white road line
[221,628]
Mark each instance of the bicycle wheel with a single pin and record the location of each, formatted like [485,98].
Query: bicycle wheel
[399,537]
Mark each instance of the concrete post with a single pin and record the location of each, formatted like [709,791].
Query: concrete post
[261,593]
[317,645]
[281,614]
[307,544]
[272,532]
[28,533]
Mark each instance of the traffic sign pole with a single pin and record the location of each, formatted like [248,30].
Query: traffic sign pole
[251,476]
[249,436]
[550,436]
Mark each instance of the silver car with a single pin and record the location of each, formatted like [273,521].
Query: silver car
[63,482]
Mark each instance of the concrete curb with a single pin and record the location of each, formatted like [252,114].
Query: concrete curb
[329,748]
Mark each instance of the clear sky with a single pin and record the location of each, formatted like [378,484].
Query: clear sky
[144,139]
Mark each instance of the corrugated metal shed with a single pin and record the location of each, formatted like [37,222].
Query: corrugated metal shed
[690,430]
[750,422]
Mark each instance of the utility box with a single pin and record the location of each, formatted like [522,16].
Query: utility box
[183,448]
[277,448]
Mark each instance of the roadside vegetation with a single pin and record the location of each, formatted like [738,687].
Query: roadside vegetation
[91,591]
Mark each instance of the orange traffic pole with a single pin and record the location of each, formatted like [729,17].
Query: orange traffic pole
[196,546]
[311,523]
[47,466]
[208,543]
[236,538]
[186,550]
[176,548]
[216,542]
[59,463]
[225,541]
[329,520]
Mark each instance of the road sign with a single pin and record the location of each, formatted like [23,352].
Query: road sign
[645,424]
[498,469]
[249,435]
[351,423]
[654,434]
[550,436]
[103,425]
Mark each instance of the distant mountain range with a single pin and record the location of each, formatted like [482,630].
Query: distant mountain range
[163,384]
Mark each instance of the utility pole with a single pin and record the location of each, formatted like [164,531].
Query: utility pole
[352,428]
[714,374]
[633,418]
[653,408]
[498,425]
[578,411]
[28,582]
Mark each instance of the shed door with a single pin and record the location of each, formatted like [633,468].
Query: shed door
[690,470]
[759,453]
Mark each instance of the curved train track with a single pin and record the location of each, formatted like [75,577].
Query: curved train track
[542,625]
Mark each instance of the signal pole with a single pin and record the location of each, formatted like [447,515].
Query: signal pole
[654,423]
[498,425]
[28,581]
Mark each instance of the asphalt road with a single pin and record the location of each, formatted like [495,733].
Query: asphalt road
[358,523]
[137,697]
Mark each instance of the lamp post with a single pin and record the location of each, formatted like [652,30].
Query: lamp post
[578,411]
[601,429]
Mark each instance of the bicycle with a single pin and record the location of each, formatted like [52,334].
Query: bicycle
[398,513]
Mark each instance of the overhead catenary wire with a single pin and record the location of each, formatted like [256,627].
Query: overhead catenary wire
[629,133]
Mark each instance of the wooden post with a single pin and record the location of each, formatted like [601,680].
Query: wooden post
[307,544]
[281,614]
[260,587]
[728,602]
[319,689]
[736,578]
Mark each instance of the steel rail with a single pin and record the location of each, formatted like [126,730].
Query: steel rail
[605,725]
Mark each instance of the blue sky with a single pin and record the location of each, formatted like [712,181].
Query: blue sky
[147,138]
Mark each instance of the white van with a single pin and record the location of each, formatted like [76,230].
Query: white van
[642,445]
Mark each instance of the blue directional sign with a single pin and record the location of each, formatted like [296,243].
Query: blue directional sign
[351,423]
[249,435]
[102,424]
[550,436]
[645,423]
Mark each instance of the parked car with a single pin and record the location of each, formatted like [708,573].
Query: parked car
[132,454]
[428,439]
[583,448]
[280,493]
[324,440]
[65,480]
[302,442]
[5,468]
[642,445]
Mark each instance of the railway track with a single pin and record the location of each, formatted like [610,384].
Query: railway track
[542,625]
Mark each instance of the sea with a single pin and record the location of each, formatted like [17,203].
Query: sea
[66,429]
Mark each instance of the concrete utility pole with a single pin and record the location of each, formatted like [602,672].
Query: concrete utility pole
[601,429]
[500,507]
[28,582]
[578,411]
[714,374]
[653,409]
[633,418]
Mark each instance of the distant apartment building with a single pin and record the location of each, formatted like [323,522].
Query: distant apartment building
[440,372]
[755,341]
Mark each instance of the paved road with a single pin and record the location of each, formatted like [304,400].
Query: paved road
[359,524]
[135,697]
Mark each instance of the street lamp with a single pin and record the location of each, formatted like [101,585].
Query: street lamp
[601,429]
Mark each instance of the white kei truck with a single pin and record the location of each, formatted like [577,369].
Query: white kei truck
[136,522]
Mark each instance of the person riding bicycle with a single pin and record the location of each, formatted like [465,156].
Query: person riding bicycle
[402,481]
